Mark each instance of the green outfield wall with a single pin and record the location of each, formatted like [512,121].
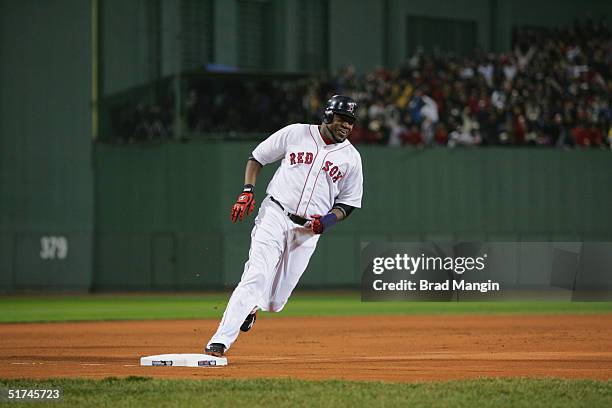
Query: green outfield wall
[162,214]
[46,171]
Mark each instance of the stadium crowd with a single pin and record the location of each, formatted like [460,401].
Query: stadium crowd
[553,89]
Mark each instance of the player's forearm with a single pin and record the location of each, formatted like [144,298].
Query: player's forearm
[341,211]
[339,214]
[251,172]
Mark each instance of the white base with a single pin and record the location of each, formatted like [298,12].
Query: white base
[183,360]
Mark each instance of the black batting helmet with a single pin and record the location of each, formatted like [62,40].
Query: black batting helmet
[339,105]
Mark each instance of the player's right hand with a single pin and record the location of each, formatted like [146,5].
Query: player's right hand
[244,203]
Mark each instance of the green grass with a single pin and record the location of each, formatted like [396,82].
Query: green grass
[138,391]
[176,306]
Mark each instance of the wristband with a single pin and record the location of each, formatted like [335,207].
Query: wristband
[328,220]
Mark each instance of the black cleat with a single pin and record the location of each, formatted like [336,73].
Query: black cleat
[249,322]
[215,349]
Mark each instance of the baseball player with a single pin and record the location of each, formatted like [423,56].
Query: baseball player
[318,183]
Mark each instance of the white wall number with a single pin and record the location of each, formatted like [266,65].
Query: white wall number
[53,247]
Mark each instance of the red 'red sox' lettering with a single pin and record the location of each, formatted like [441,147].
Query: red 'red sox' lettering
[307,158]
[334,171]
[301,157]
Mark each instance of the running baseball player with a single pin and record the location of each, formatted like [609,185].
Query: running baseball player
[318,183]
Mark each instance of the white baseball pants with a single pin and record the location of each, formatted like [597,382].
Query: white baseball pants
[279,254]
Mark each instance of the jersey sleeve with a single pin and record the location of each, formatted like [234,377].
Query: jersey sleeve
[273,148]
[351,189]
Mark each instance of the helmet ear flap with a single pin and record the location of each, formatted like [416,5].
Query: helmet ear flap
[328,116]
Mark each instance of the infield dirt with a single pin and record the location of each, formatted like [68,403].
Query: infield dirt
[394,348]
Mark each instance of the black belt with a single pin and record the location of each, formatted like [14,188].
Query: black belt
[295,218]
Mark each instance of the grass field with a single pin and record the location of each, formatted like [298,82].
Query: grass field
[177,306]
[139,391]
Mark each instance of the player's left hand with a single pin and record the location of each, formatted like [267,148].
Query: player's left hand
[322,223]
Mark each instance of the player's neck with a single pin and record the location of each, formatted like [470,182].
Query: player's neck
[323,131]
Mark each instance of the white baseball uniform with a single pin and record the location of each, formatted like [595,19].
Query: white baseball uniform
[312,177]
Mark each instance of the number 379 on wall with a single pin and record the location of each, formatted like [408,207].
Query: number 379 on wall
[53,247]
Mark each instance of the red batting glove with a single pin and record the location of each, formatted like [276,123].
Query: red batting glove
[315,224]
[244,203]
